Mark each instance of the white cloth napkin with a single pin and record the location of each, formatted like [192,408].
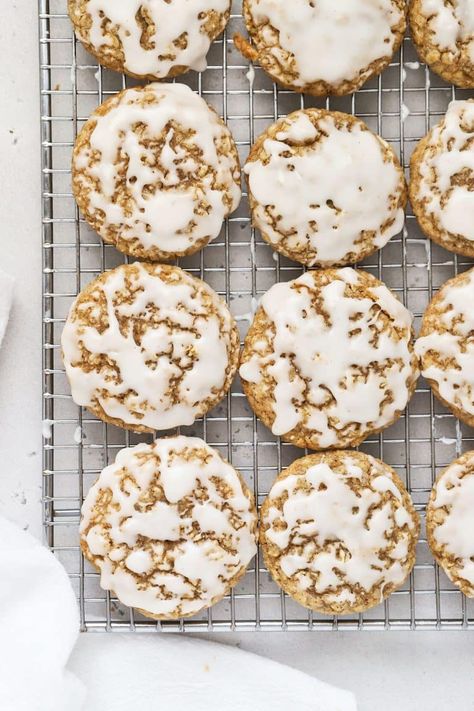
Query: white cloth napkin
[6,296]
[39,624]
[119,672]
[155,672]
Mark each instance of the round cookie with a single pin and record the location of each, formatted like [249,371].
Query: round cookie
[149,347]
[443,33]
[149,39]
[442,175]
[445,346]
[323,189]
[322,47]
[338,532]
[171,526]
[329,359]
[155,172]
[450,522]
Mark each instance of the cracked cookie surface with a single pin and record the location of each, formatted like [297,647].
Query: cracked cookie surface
[442,180]
[322,47]
[323,189]
[329,359]
[443,33]
[171,526]
[155,172]
[339,532]
[450,522]
[149,39]
[445,346]
[149,347]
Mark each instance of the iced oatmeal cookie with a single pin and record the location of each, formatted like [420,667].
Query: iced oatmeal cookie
[339,532]
[443,32]
[329,359]
[149,347]
[323,189]
[171,526]
[155,172]
[450,522]
[442,180]
[149,39]
[446,347]
[322,47]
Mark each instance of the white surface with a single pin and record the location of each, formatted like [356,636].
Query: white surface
[210,674]
[39,625]
[20,236]
[390,671]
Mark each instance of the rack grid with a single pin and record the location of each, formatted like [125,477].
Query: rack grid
[401,105]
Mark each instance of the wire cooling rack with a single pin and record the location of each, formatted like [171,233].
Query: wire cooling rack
[401,105]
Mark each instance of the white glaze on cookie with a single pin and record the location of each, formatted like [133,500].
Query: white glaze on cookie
[160,376]
[173,20]
[452,24]
[447,169]
[454,495]
[330,41]
[178,190]
[326,369]
[335,538]
[176,529]
[452,346]
[332,196]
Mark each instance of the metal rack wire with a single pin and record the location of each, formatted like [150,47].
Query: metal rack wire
[401,105]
